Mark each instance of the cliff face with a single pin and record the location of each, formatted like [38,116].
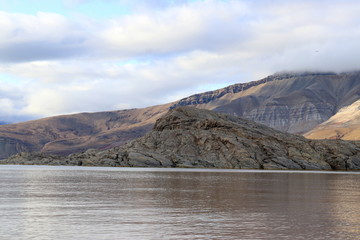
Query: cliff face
[189,137]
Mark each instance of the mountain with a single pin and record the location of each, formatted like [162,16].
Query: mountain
[75,133]
[290,102]
[190,137]
[345,124]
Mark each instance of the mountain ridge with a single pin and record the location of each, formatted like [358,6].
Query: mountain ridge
[205,97]
[290,102]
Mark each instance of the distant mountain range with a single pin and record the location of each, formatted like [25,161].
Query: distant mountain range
[300,103]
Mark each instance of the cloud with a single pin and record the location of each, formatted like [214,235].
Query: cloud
[165,50]
[11,101]
[44,36]
[171,31]
[200,26]
[38,50]
[142,5]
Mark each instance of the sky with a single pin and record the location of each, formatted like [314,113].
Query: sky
[69,56]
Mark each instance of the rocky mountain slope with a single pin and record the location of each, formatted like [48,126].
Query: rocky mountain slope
[291,102]
[345,124]
[190,137]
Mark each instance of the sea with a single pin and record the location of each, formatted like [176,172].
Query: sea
[47,202]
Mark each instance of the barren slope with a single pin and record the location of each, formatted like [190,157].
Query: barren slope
[345,124]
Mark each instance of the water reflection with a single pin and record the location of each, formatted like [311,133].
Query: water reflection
[108,204]
[346,205]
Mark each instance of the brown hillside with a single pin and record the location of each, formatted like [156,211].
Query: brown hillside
[78,132]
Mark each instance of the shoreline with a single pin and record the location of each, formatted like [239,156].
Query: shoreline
[172,169]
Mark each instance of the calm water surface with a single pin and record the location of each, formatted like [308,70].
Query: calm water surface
[38,202]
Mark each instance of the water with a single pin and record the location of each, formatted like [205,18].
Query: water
[39,202]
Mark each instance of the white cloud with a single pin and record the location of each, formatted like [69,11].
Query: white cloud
[11,101]
[165,51]
[208,25]
[42,36]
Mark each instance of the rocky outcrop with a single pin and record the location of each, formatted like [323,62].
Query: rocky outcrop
[190,137]
[37,158]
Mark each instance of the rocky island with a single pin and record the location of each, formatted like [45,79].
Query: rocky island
[191,137]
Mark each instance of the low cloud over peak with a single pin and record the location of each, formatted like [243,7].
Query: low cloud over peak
[157,51]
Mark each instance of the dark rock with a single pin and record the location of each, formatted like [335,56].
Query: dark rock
[354,163]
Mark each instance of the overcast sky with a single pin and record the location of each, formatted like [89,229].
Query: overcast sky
[68,56]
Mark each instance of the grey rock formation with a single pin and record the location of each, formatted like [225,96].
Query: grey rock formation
[189,137]
[36,158]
